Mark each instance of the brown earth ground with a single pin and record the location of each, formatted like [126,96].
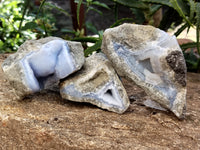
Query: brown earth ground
[45,121]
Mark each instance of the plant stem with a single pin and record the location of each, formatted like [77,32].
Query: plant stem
[40,8]
[198,25]
[198,45]
[26,4]
[43,22]
[81,18]
[116,11]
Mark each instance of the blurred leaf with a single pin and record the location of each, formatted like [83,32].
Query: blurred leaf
[77,1]
[29,25]
[1,16]
[188,45]
[179,7]
[40,30]
[100,33]
[51,5]
[121,21]
[86,39]
[67,30]
[154,9]
[78,11]
[116,11]
[1,44]
[93,48]
[26,4]
[162,2]
[184,5]
[91,27]
[41,6]
[183,27]
[192,9]
[188,29]
[170,17]
[16,18]
[132,3]
[192,61]
[100,4]
[94,9]
[198,26]
[139,16]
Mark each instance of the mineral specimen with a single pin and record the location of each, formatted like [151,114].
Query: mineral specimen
[98,84]
[40,64]
[152,59]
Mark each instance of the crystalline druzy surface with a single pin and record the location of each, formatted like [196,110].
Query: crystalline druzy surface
[152,59]
[98,84]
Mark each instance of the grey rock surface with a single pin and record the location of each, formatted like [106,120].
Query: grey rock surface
[46,122]
[152,59]
[153,104]
[96,83]
[40,64]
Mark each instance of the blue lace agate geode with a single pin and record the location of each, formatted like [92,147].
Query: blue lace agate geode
[152,59]
[40,64]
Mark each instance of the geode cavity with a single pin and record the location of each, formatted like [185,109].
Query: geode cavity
[152,59]
[40,64]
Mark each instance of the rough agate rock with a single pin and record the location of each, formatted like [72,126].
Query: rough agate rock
[40,64]
[96,83]
[152,59]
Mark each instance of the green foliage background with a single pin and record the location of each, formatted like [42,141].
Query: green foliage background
[10,18]
[21,20]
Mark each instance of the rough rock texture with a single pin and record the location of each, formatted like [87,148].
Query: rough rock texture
[152,59]
[98,84]
[46,122]
[40,64]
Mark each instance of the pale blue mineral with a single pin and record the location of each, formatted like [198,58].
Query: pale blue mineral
[40,64]
[97,83]
[152,59]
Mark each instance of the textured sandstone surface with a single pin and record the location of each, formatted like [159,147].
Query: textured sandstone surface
[46,122]
[152,59]
[40,64]
[96,83]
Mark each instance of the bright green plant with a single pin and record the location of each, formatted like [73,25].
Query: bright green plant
[43,22]
[19,21]
[97,41]
[10,21]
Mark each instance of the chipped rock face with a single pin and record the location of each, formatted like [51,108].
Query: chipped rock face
[40,64]
[152,59]
[98,84]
